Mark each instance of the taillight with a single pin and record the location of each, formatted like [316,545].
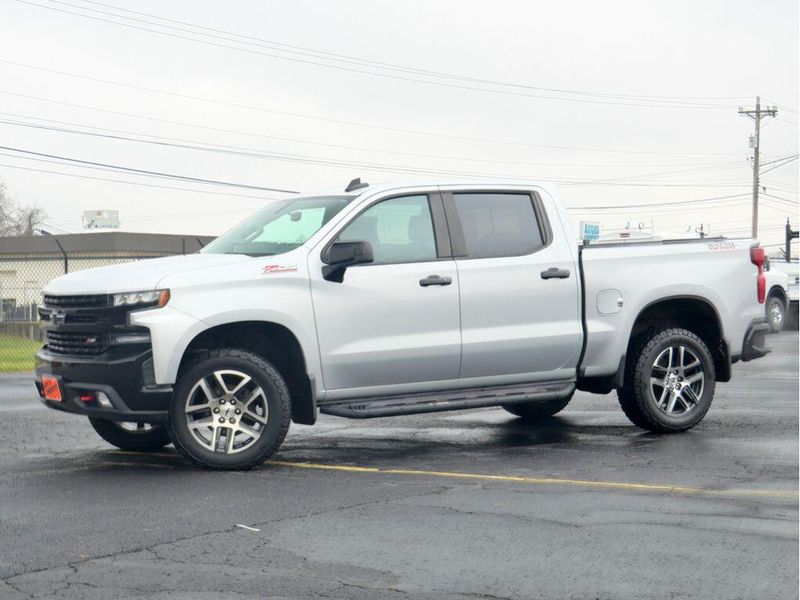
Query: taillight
[757,257]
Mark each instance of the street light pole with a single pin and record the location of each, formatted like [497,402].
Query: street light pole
[60,247]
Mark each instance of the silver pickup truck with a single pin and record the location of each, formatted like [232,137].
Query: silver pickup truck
[373,301]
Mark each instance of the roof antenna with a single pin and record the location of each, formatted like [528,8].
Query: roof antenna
[355,185]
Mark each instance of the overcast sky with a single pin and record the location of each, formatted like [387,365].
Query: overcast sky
[645,112]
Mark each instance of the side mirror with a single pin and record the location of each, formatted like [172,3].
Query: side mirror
[341,255]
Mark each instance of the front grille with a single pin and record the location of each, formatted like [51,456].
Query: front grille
[88,301]
[81,344]
[82,319]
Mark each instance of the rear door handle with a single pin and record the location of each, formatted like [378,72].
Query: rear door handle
[435,280]
[555,273]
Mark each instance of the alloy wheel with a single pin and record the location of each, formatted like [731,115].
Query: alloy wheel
[776,314]
[226,411]
[677,380]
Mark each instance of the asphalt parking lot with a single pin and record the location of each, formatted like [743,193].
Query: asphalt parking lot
[455,505]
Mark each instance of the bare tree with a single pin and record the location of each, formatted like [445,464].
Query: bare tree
[18,220]
[6,211]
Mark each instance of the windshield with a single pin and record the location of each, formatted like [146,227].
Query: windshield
[279,227]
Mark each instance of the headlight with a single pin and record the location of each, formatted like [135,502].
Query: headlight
[152,297]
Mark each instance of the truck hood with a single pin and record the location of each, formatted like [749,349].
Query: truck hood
[135,276]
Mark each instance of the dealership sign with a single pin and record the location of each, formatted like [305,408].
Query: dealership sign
[590,230]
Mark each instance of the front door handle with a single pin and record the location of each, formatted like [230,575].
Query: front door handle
[555,273]
[435,280]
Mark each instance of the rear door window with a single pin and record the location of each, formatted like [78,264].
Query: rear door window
[498,224]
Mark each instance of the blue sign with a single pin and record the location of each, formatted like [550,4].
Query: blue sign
[590,231]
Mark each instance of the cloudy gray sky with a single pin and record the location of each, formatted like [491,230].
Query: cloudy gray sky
[630,105]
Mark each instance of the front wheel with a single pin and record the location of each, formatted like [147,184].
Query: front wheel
[669,382]
[230,410]
[776,314]
[136,437]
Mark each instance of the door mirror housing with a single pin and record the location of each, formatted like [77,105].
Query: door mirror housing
[340,255]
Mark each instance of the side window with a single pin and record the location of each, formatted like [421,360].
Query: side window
[400,230]
[498,224]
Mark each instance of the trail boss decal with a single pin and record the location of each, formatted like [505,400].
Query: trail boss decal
[721,246]
[270,269]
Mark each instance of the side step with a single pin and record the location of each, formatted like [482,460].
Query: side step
[409,404]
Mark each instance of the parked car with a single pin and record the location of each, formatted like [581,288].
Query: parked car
[391,300]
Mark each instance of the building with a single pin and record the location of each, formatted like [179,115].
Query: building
[27,263]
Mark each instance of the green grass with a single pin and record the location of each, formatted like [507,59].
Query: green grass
[16,353]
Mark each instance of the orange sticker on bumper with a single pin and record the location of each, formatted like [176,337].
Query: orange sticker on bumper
[52,391]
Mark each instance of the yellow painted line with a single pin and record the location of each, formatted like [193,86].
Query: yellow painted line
[586,483]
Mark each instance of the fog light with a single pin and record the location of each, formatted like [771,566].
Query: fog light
[103,400]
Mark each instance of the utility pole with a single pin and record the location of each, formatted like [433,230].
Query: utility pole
[701,230]
[757,114]
[791,234]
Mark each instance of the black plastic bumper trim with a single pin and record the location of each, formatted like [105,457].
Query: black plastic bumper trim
[120,379]
[754,345]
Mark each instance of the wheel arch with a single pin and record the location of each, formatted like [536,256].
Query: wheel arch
[272,341]
[776,291]
[695,313]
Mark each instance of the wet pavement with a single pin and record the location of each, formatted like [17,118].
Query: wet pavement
[471,504]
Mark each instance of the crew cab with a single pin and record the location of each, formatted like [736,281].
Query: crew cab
[374,301]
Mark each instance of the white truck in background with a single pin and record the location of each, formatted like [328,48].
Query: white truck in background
[375,301]
[777,268]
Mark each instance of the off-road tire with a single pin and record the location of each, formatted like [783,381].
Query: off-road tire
[634,396]
[539,409]
[277,395]
[150,440]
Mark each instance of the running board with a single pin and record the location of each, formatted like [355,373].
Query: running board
[409,404]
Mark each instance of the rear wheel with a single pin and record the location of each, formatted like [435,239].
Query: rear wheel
[669,382]
[538,410]
[138,437]
[776,314]
[230,410]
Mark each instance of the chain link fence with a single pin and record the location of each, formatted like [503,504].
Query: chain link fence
[22,278]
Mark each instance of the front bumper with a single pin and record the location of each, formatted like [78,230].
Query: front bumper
[754,345]
[126,381]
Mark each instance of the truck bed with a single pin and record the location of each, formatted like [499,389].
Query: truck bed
[621,279]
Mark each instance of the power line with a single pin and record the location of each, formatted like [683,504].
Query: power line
[777,186]
[382,167]
[57,229]
[139,183]
[640,103]
[180,142]
[364,166]
[117,168]
[146,172]
[783,163]
[786,200]
[655,205]
[313,52]
[326,161]
[324,119]
[783,106]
